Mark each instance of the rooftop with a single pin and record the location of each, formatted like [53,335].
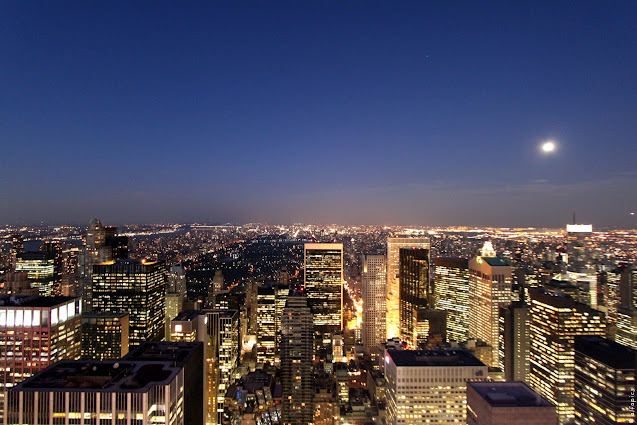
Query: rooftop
[433,358]
[22,300]
[178,352]
[606,351]
[104,314]
[509,394]
[101,376]
[495,261]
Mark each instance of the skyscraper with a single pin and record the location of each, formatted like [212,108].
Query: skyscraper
[296,362]
[135,286]
[556,319]
[578,244]
[415,290]
[515,323]
[36,332]
[490,285]
[324,287]
[40,269]
[219,331]
[604,382]
[393,282]
[429,386]
[266,325]
[104,335]
[374,279]
[451,292]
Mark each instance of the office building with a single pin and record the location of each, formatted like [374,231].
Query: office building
[174,306]
[18,283]
[282,291]
[556,319]
[219,331]
[578,244]
[393,279]
[507,403]
[490,285]
[135,286]
[122,391]
[177,280]
[415,290]
[40,269]
[429,386]
[323,284]
[374,283]
[266,325]
[296,362]
[451,293]
[104,335]
[605,376]
[515,324]
[16,247]
[189,356]
[36,332]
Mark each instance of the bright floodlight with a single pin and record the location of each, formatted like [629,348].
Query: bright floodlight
[548,147]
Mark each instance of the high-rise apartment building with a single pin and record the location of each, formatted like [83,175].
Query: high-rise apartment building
[578,244]
[104,335]
[219,331]
[36,332]
[296,362]
[490,288]
[605,374]
[429,386]
[374,283]
[40,269]
[556,319]
[161,387]
[266,325]
[393,279]
[515,324]
[507,403]
[451,294]
[324,287]
[134,286]
[415,291]
[282,292]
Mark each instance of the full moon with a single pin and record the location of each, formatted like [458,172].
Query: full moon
[548,146]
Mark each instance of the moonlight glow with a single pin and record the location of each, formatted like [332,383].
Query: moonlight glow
[548,147]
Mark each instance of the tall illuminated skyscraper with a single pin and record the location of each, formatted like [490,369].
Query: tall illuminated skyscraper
[393,282]
[266,325]
[219,331]
[605,374]
[324,287]
[451,292]
[374,279]
[556,319]
[136,286]
[296,362]
[515,323]
[35,332]
[490,288]
[415,291]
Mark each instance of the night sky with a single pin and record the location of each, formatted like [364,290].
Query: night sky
[350,112]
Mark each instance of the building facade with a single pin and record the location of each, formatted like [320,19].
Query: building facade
[515,324]
[135,286]
[556,319]
[429,386]
[415,291]
[374,283]
[490,288]
[394,245]
[451,293]
[604,382]
[104,335]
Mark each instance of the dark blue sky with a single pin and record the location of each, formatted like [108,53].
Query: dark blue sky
[393,112]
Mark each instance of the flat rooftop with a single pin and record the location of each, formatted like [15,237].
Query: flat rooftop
[509,394]
[495,261]
[434,358]
[104,314]
[33,301]
[606,351]
[101,376]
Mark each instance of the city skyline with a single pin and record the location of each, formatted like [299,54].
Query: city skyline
[350,113]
